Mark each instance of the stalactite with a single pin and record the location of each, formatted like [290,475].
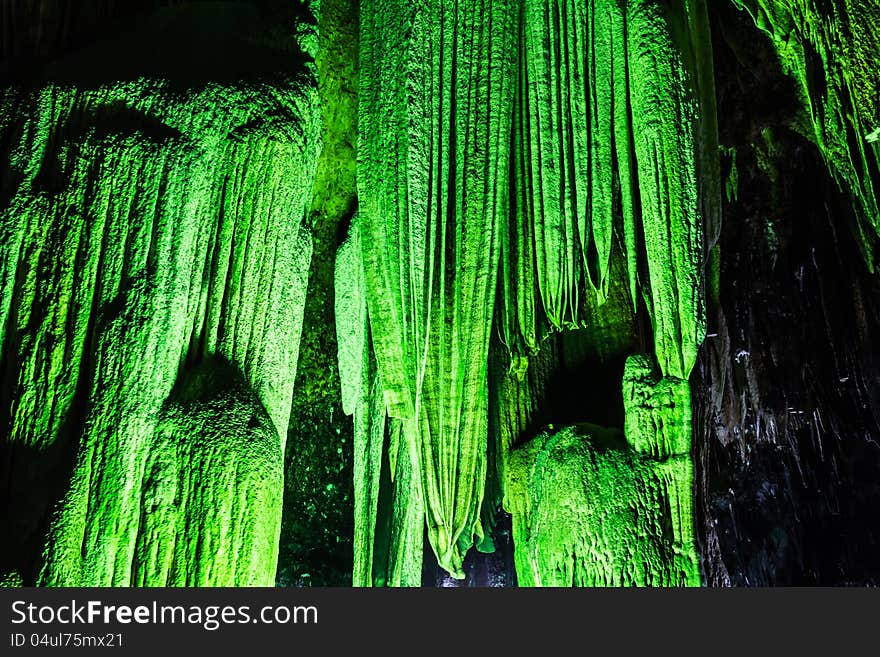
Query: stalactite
[664,125]
[575,139]
[610,159]
[146,229]
[614,131]
[388,511]
[435,104]
[614,134]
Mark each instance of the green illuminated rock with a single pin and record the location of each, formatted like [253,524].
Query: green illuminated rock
[615,138]
[665,111]
[614,131]
[211,493]
[518,384]
[517,387]
[575,134]
[523,168]
[148,227]
[388,510]
[613,155]
[658,411]
[588,512]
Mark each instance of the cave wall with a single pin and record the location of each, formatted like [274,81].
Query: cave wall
[788,376]
[829,51]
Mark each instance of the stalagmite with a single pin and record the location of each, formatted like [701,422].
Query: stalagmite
[597,507]
[211,493]
[588,513]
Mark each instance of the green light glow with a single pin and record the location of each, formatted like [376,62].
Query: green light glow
[597,507]
[388,541]
[586,513]
[523,170]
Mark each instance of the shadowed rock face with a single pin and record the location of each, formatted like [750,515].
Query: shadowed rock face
[787,384]
[825,47]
